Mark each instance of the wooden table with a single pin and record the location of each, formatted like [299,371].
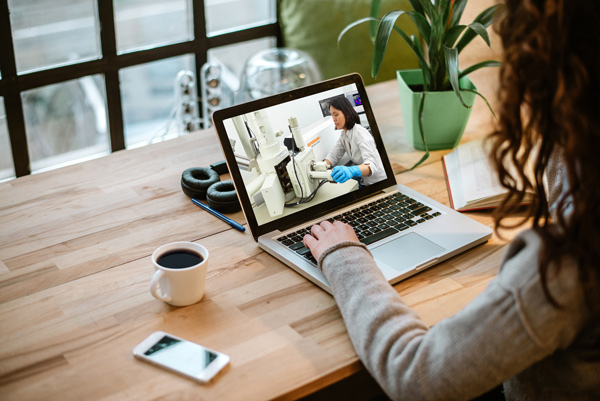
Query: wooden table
[75,246]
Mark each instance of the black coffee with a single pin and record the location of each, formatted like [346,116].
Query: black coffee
[179,259]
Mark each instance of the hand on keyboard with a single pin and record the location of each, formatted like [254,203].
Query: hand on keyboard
[372,222]
[326,234]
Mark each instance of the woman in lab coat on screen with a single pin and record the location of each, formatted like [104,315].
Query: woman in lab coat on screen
[357,143]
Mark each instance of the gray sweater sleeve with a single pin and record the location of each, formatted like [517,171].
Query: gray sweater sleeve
[504,330]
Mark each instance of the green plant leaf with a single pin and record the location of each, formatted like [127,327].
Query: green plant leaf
[375,7]
[384,31]
[421,23]
[417,6]
[422,131]
[352,25]
[452,66]
[474,67]
[428,9]
[485,18]
[484,99]
[445,10]
[413,42]
[481,31]
[436,56]
[459,7]
[452,34]
[426,71]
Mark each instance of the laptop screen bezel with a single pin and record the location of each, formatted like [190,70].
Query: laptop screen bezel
[321,209]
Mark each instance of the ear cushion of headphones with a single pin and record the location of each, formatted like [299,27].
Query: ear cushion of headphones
[196,180]
[222,196]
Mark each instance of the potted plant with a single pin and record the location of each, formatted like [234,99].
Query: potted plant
[436,99]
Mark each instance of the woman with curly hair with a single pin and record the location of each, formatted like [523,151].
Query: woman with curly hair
[536,327]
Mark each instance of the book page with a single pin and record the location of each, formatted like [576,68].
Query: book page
[478,178]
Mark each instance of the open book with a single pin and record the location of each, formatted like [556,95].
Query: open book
[472,181]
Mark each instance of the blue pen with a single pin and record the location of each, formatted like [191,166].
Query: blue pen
[226,219]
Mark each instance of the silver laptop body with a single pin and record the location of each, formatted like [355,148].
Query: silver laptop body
[274,148]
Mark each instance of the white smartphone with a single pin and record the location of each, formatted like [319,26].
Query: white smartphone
[181,356]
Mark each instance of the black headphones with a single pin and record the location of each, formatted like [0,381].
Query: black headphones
[205,183]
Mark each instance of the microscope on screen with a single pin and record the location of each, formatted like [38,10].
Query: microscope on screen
[281,175]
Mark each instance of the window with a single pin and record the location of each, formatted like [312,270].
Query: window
[71,91]
[6,162]
[44,36]
[142,24]
[148,98]
[231,55]
[250,13]
[66,122]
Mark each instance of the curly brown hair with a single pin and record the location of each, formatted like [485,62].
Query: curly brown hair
[549,103]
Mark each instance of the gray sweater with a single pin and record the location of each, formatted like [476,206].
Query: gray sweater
[509,333]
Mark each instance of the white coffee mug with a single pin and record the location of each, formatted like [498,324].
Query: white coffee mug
[179,286]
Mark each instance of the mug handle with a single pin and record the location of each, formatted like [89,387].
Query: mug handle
[154,287]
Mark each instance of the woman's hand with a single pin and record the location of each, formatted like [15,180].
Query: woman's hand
[327,234]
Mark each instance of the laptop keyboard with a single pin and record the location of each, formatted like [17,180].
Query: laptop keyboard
[372,222]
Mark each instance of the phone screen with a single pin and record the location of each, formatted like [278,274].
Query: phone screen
[181,355]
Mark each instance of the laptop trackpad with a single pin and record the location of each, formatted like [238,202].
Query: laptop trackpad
[406,252]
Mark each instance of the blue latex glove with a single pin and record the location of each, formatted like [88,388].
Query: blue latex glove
[342,174]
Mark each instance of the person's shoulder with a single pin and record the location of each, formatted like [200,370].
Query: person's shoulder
[520,272]
[522,257]
[520,276]
[360,128]
[360,131]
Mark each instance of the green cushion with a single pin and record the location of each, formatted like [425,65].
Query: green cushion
[314,25]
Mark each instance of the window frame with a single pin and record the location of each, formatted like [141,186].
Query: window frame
[109,64]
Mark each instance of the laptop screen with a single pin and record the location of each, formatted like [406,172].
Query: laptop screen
[284,153]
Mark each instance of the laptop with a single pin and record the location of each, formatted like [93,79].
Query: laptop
[274,148]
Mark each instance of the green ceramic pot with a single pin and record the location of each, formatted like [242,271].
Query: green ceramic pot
[444,117]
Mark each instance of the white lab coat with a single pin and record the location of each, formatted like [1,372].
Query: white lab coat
[359,145]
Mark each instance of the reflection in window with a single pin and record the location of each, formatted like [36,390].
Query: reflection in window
[146,23]
[220,17]
[54,34]
[66,122]
[148,98]
[220,79]
[7,169]
[234,56]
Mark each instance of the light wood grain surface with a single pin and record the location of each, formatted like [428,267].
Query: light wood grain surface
[75,246]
